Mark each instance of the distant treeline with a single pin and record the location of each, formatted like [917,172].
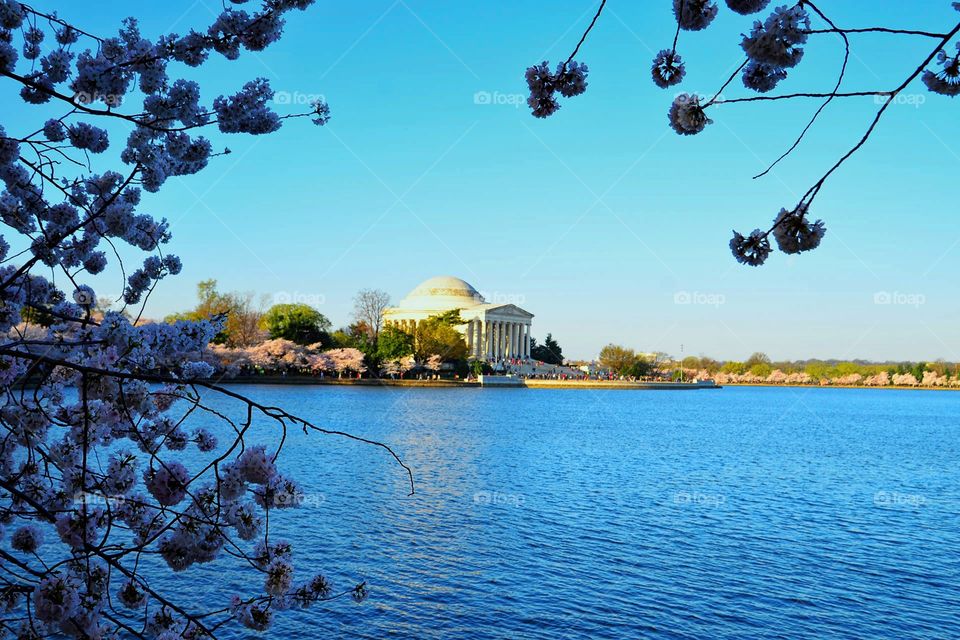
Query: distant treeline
[758,368]
[624,362]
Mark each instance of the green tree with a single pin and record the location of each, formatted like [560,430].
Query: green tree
[817,370]
[918,369]
[438,335]
[846,369]
[761,369]
[709,364]
[618,359]
[549,352]
[641,368]
[297,322]
[758,357]
[477,367]
[394,343]
[733,367]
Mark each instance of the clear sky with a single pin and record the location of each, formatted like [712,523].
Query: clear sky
[600,220]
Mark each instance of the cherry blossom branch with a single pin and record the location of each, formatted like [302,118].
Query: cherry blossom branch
[905,32]
[843,70]
[54,19]
[77,227]
[593,22]
[266,410]
[890,98]
[791,96]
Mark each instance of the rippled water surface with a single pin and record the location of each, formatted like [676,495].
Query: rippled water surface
[738,513]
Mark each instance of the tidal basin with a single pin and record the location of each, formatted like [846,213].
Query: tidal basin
[555,513]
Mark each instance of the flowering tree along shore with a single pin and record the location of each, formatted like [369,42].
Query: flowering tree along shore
[772,47]
[90,476]
[621,362]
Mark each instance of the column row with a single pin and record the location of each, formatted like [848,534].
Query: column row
[488,339]
[498,339]
[404,325]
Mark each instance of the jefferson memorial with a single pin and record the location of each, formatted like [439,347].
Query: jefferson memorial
[492,331]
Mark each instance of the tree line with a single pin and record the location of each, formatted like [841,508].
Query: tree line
[248,325]
[760,368]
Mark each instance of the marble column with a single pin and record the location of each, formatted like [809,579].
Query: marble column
[500,340]
[526,341]
[506,339]
[478,338]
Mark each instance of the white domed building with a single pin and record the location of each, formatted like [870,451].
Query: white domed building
[492,331]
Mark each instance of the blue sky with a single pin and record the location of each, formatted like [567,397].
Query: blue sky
[600,220]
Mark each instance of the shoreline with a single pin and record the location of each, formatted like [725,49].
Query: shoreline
[536,383]
[502,382]
[839,386]
[346,382]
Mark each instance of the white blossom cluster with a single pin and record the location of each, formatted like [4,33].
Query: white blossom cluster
[694,15]
[686,116]
[771,47]
[746,7]
[569,80]
[794,233]
[751,250]
[667,69]
[947,80]
[93,415]
[776,40]
[792,230]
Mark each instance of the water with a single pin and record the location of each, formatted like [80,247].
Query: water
[739,513]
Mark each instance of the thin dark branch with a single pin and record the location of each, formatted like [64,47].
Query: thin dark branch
[585,33]
[790,96]
[905,32]
[726,84]
[843,70]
